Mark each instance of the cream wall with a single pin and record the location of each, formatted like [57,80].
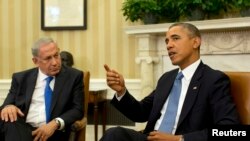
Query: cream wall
[104,41]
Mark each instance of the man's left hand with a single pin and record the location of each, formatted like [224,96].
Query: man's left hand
[44,132]
[160,136]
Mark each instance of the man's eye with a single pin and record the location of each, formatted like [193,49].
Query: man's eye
[56,56]
[47,58]
[175,38]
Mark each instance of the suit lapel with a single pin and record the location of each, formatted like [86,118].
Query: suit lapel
[162,92]
[59,85]
[31,83]
[192,93]
[165,91]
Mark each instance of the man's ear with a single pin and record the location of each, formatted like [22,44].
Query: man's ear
[34,59]
[197,42]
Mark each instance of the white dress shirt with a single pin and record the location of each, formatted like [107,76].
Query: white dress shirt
[36,114]
[188,74]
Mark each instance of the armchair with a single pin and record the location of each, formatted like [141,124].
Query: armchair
[240,90]
[78,132]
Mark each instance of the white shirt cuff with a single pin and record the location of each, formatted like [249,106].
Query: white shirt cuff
[120,97]
[61,123]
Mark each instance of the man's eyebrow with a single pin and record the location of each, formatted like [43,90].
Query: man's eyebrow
[172,36]
[175,35]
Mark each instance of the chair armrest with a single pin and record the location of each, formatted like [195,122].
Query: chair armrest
[79,124]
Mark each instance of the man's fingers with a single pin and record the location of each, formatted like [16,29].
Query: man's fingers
[107,67]
[152,133]
[20,113]
[112,73]
[12,117]
[36,135]
[5,117]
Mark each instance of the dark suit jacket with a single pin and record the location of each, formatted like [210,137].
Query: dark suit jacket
[67,100]
[208,102]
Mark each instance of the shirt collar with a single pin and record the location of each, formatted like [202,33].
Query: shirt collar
[188,72]
[41,75]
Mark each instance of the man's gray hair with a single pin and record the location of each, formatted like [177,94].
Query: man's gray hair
[39,43]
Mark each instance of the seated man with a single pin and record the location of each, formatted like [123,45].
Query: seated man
[43,101]
[186,101]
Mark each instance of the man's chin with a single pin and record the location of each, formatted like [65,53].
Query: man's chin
[53,73]
[174,63]
[173,60]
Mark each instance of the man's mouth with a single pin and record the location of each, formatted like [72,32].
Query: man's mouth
[171,54]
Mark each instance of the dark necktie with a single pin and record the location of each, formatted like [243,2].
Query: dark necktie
[168,121]
[48,98]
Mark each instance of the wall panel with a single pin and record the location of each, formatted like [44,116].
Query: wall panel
[104,41]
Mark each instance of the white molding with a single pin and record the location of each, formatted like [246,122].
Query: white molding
[217,24]
[5,84]
[133,85]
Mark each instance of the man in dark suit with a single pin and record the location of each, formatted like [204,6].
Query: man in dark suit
[23,115]
[204,98]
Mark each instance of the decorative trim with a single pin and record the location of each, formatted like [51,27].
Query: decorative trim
[133,85]
[5,84]
[218,24]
